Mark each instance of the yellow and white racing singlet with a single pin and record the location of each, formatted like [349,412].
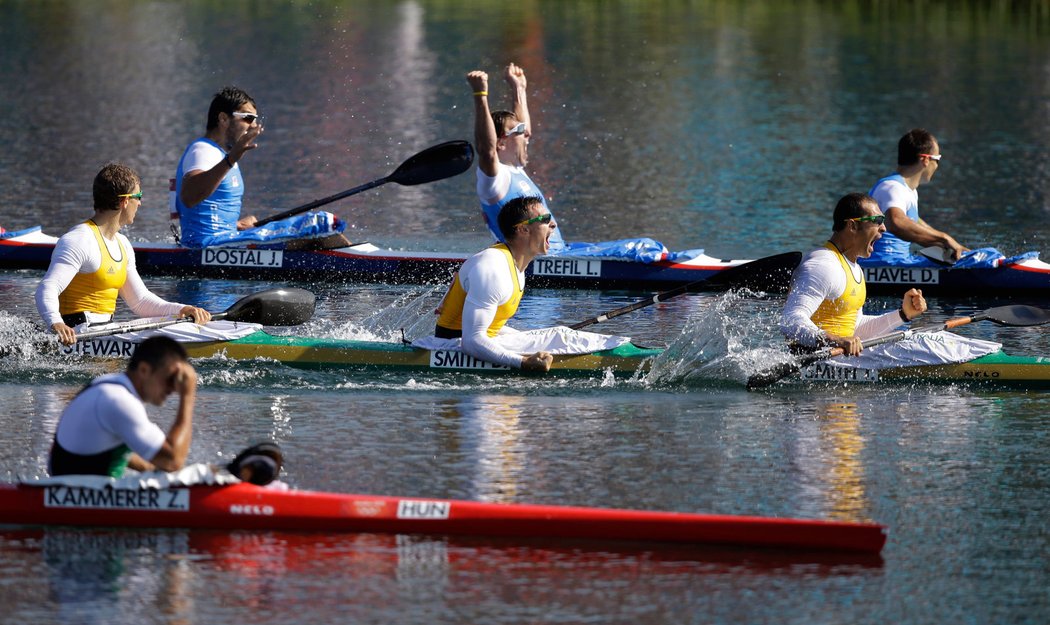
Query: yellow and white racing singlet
[96,292]
[452,312]
[839,316]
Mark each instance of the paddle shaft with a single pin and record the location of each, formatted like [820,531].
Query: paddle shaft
[281,306]
[136,327]
[434,163]
[892,337]
[659,297]
[738,274]
[321,202]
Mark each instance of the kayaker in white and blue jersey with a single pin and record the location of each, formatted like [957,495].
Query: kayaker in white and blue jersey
[502,142]
[105,429]
[825,304]
[209,189]
[918,158]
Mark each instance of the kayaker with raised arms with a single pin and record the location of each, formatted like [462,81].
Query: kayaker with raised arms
[918,158]
[209,188]
[105,428]
[501,138]
[94,262]
[825,304]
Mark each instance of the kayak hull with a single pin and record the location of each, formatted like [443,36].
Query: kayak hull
[325,353]
[998,369]
[366,263]
[248,507]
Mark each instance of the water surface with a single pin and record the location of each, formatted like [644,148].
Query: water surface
[724,125]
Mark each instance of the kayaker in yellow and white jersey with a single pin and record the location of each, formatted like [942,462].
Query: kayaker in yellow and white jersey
[94,262]
[487,289]
[825,304]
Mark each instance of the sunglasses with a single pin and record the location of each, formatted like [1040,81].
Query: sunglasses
[136,196]
[935,157]
[517,130]
[543,219]
[878,220]
[247,117]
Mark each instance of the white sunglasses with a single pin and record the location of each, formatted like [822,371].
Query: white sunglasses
[247,117]
[517,130]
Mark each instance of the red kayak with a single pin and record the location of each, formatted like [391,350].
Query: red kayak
[245,506]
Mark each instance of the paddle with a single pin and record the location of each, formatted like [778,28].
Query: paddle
[769,273]
[939,255]
[434,163]
[1015,315]
[275,307]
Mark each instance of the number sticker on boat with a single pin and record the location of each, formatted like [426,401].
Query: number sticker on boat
[423,509]
[451,359]
[240,257]
[171,500]
[570,267]
[830,373]
[902,275]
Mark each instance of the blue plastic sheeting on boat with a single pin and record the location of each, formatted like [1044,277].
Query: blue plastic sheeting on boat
[308,226]
[981,258]
[642,249]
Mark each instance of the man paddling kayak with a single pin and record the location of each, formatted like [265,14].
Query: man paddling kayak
[94,262]
[105,429]
[486,291]
[918,158]
[209,188]
[825,304]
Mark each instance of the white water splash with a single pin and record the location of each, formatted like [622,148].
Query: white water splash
[410,316]
[725,343]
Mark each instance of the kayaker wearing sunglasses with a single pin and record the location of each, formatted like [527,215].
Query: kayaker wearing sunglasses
[825,304]
[209,189]
[502,141]
[485,294]
[93,263]
[918,158]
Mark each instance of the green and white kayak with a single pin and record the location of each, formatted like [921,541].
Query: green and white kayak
[322,353]
[330,353]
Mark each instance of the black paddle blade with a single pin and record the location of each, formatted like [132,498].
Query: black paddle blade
[771,274]
[435,163]
[275,307]
[1017,315]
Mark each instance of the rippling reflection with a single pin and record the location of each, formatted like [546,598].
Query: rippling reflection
[841,445]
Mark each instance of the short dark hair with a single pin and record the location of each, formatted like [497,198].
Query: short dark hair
[917,141]
[113,181]
[849,207]
[514,212]
[155,351]
[499,120]
[227,101]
